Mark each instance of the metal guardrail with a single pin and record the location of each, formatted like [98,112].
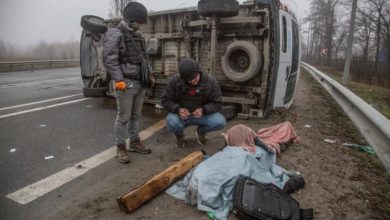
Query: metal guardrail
[372,125]
[40,64]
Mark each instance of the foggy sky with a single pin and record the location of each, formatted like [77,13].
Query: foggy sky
[26,22]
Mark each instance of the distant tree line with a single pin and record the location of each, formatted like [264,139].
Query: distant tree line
[41,51]
[326,31]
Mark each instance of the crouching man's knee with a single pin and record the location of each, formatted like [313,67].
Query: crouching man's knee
[217,121]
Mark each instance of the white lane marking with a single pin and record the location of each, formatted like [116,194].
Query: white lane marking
[38,102]
[31,192]
[37,82]
[41,108]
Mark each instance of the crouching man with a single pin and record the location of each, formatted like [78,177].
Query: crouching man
[193,98]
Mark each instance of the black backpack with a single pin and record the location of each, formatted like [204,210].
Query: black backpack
[254,200]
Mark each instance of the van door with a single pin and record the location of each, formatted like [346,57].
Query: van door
[295,61]
[284,59]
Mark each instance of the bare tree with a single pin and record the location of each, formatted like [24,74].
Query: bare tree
[340,42]
[329,14]
[365,31]
[117,6]
[385,17]
[378,5]
[322,28]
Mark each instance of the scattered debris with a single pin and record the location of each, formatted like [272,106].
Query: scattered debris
[68,147]
[49,157]
[155,211]
[158,107]
[359,147]
[80,166]
[12,150]
[307,126]
[330,141]
[42,125]
[89,106]
[211,215]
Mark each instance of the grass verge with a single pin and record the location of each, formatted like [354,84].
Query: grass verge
[376,96]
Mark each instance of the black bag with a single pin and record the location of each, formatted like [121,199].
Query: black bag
[147,78]
[254,200]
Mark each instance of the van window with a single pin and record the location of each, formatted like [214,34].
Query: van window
[295,48]
[284,29]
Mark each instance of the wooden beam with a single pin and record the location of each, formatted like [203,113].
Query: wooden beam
[134,199]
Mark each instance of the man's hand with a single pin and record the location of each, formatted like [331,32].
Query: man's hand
[120,85]
[198,113]
[184,113]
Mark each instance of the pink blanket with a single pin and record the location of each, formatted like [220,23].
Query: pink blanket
[242,135]
[278,134]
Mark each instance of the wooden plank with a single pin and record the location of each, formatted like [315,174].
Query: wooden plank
[134,199]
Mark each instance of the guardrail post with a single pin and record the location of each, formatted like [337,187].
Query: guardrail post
[32,68]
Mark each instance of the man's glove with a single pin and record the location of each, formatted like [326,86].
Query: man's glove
[120,85]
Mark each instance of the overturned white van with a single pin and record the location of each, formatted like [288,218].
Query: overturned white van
[251,49]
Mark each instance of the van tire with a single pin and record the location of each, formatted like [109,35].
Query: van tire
[221,8]
[94,92]
[93,24]
[241,61]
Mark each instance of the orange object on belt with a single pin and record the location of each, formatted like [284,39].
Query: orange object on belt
[120,85]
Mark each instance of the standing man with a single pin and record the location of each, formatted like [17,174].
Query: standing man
[123,46]
[193,98]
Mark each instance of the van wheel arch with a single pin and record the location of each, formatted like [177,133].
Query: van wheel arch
[241,61]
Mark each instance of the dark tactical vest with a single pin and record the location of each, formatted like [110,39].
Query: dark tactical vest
[192,97]
[130,54]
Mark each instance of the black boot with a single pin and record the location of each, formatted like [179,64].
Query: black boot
[294,183]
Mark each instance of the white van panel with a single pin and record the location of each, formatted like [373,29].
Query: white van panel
[284,69]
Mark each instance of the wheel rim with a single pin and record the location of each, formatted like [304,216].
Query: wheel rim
[95,20]
[239,61]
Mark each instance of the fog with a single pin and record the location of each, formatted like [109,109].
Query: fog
[24,23]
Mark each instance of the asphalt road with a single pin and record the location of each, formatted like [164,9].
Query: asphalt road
[44,115]
[46,126]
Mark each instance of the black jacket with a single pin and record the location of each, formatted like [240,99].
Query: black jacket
[179,94]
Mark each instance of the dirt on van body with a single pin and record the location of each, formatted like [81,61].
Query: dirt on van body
[341,183]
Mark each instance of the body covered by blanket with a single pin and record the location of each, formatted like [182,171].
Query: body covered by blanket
[210,184]
[278,134]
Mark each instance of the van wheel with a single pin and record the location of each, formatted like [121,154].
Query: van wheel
[93,24]
[242,61]
[94,92]
[221,8]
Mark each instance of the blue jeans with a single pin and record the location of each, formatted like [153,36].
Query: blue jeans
[129,105]
[206,123]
